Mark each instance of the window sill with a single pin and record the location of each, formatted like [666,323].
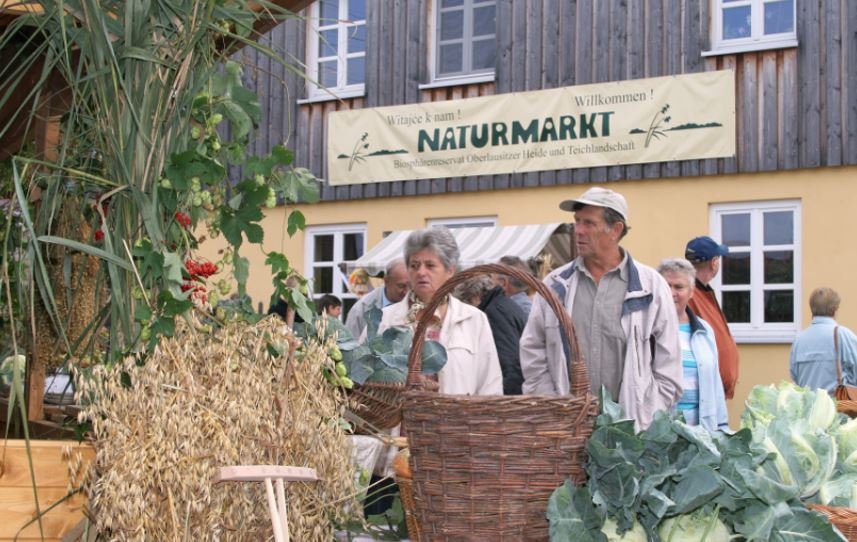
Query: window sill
[333,96]
[458,81]
[735,48]
[758,336]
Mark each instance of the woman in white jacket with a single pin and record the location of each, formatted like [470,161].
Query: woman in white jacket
[472,366]
[703,401]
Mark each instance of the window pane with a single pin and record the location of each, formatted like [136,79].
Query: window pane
[328,11]
[484,21]
[353,246]
[736,306]
[451,3]
[327,73]
[452,25]
[357,39]
[324,248]
[779,267]
[779,17]
[356,71]
[322,280]
[779,306]
[779,228]
[736,230]
[483,54]
[736,268]
[450,58]
[357,10]
[327,43]
[736,22]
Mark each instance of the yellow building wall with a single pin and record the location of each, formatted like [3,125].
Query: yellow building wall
[663,214]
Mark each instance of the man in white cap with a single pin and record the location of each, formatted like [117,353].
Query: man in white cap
[623,315]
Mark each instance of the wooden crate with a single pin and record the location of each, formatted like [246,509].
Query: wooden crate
[52,480]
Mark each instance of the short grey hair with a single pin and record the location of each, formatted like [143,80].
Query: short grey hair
[520,265]
[678,265]
[612,217]
[391,266]
[474,287]
[439,240]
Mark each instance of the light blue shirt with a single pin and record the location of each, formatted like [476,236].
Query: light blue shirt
[812,361]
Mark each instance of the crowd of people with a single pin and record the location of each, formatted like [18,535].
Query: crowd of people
[653,339]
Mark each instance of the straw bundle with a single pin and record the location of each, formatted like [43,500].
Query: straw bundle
[204,401]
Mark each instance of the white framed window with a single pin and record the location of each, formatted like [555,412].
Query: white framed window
[326,248]
[464,36]
[752,25]
[759,280]
[336,49]
[468,222]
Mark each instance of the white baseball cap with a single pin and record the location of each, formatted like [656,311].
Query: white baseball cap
[599,197]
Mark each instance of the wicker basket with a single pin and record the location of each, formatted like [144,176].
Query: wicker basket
[483,467]
[844,519]
[380,403]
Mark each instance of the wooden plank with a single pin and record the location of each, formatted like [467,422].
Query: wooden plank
[374,44]
[768,120]
[518,73]
[535,64]
[849,96]
[653,59]
[503,63]
[672,61]
[692,62]
[729,62]
[567,36]
[634,60]
[809,56]
[50,469]
[748,114]
[400,56]
[413,51]
[788,110]
[584,43]
[618,47]
[832,81]
[19,509]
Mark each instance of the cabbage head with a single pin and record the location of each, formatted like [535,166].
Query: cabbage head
[635,534]
[697,526]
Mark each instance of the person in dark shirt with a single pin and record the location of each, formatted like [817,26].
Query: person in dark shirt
[507,322]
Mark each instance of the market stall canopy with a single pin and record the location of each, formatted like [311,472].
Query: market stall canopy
[482,245]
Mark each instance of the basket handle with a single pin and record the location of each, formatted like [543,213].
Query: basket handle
[578,376]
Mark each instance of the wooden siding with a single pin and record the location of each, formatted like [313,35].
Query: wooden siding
[796,107]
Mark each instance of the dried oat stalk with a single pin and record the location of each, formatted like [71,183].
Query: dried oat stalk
[203,401]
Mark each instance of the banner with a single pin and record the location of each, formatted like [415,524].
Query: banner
[682,117]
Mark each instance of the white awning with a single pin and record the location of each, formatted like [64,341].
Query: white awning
[479,245]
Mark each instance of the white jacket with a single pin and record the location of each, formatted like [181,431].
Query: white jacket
[472,366]
[652,375]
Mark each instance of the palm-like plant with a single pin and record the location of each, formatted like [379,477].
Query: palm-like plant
[140,162]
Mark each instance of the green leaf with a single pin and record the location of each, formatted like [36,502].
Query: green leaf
[142,312]
[803,526]
[173,267]
[171,306]
[240,121]
[697,486]
[572,515]
[297,221]
[278,262]
[433,358]
[283,155]
[86,249]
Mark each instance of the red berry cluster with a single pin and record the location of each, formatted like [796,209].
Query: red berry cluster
[183,219]
[99,235]
[200,270]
